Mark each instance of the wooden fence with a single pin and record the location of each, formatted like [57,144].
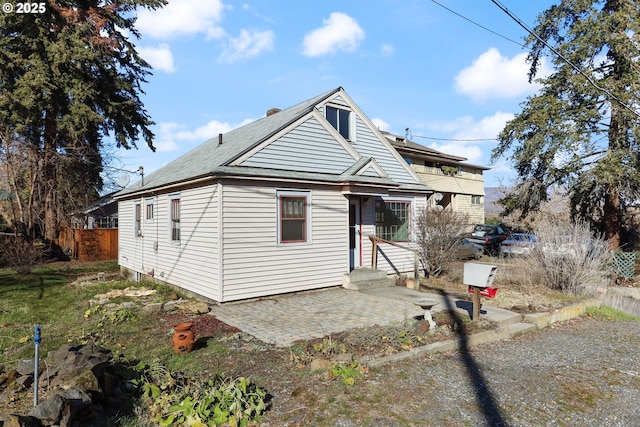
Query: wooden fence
[97,244]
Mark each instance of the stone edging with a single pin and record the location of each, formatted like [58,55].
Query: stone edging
[530,322]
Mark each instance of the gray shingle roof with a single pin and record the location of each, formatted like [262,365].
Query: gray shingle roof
[212,158]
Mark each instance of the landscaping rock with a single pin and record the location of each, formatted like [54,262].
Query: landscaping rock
[26,367]
[24,381]
[319,364]
[11,420]
[423,327]
[83,387]
[153,308]
[342,358]
[193,307]
[49,412]
[171,306]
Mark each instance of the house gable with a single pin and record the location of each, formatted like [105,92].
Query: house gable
[369,142]
[369,168]
[305,146]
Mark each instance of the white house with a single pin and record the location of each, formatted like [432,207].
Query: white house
[283,204]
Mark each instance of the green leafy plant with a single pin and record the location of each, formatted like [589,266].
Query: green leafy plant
[176,399]
[408,340]
[449,170]
[303,353]
[116,317]
[348,372]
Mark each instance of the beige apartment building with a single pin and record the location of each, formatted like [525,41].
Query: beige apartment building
[457,185]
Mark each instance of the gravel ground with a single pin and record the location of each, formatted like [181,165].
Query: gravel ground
[584,372]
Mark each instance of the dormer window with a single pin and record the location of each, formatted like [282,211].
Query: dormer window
[340,119]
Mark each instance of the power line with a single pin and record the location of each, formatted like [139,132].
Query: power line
[409,135]
[454,139]
[479,25]
[561,56]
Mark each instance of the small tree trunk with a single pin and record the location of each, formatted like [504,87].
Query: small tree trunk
[612,217]
[49,177]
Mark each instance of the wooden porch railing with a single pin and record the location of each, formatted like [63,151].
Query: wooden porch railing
[416,257]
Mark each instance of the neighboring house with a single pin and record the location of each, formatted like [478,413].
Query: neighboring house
[457,185]
[279,205]
[101,214]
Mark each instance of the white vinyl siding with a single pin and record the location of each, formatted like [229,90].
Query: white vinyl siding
[256,265]
[307,148]
[370,146]
[340,101]
[370,171]
[193,264]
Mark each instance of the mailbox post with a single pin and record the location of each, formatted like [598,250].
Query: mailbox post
[479,278]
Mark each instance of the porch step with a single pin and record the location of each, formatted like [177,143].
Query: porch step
[367,278]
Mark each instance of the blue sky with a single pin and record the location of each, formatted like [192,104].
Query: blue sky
[218,64]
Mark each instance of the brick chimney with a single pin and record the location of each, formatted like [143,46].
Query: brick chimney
[272,111]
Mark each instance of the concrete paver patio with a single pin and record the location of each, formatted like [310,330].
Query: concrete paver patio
[284,319]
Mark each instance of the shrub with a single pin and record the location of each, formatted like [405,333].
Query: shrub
[438,233]
[20,253]
[568,256]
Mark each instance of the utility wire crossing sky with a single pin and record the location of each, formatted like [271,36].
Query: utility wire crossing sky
[449,74]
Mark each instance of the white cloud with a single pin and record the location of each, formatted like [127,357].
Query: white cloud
[472,153]
[170,134]
[339,33]
[159,57]
[182,17]
[494,76]
[487,127]
[387,50]
[247,45]
[380,124]
[165,141]
[466,127]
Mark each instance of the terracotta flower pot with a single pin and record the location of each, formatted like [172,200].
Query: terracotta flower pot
[183,338]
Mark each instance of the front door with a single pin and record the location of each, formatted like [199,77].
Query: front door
[354,234]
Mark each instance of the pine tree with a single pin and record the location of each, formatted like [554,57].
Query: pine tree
[581,131]
[70,81]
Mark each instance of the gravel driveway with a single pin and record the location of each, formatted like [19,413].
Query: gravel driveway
[583,372]
[580,373]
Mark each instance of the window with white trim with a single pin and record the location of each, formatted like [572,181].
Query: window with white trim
[137,219]
[174,218]
[149,211]
[294,221]
[476,200]
[341,120]
[393,220]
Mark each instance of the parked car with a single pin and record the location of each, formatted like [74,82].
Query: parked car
[567,246]
[465,249]
[489,237]
[518,244]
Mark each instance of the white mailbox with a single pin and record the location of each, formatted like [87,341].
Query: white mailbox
[479,275]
